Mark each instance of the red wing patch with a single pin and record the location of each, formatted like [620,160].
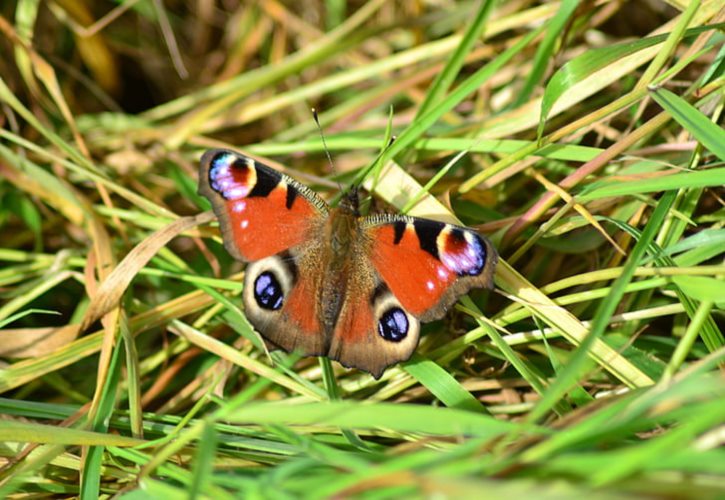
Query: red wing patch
[415,276]
[261,211]
[299,309]
[356,320]
[260,227]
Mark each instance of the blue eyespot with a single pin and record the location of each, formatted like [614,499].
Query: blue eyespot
[268,292]
[393,325]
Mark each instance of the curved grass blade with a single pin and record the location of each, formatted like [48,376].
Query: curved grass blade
[597,59]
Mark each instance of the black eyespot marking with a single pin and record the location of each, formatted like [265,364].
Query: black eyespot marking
[291,195]
[268,292]
[399,228]
[457,236]
[393,325]
[267,180]
[428,231]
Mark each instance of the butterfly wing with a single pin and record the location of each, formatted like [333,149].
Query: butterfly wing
[407,270]
[273,222]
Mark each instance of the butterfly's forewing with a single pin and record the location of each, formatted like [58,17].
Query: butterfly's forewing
[261,211]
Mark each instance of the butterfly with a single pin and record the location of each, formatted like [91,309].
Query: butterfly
[326,281]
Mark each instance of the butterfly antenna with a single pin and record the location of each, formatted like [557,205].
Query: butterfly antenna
[351,195]
[324,142]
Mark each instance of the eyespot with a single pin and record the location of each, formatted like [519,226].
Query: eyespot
[393,325]
[268,292]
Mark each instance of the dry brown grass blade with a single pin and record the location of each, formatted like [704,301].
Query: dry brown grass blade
[111,290]
[549,198]
[34,342]
[554,188]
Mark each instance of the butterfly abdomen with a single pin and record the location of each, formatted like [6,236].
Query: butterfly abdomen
[342,247]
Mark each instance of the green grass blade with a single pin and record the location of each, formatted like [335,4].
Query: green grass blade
[204,463]
[545,51]
[400,418]
[594,60]
[29,432]
[442,384]
[705,131]
[91,477]
[702,178]
[568,377]
[455,61]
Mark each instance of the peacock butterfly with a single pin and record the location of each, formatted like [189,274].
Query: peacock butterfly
[326,281]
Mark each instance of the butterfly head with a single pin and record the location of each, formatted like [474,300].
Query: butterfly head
[350,201]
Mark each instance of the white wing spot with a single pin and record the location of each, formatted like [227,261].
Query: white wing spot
[239,206]
[235,192]
[442,273]
[244,224]
[430,285]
